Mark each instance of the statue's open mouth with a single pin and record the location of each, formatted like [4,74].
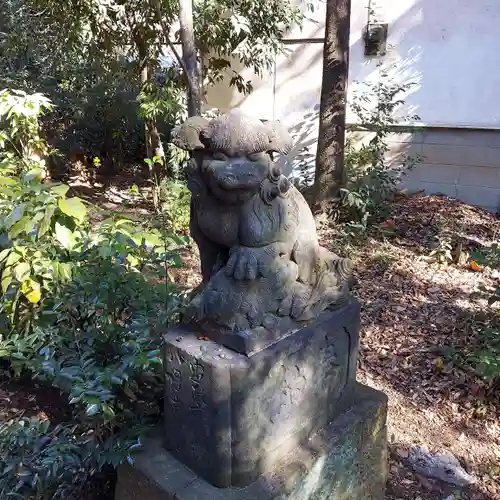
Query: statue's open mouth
[240,182]
[233,185]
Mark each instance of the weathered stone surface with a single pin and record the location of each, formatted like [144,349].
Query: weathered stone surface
[231,417]
[345,461]
[261,260]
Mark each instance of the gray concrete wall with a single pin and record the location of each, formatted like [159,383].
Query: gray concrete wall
[459,163]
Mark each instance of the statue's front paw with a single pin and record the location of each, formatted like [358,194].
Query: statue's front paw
[243,264]
[296,301]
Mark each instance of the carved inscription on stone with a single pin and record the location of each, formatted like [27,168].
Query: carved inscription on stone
[186,404]
[298,390]
[299,382]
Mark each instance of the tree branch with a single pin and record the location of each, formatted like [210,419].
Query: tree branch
[166,34]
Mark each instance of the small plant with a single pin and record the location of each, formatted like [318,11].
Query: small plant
[483,356]
[303,168]
[175,200]
[371,180]
[384,260]
[171,200]
[443,248]
[489,256]
[486,359]
[153,166]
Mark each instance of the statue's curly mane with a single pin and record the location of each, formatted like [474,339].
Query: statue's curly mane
[274,208]
[274,186]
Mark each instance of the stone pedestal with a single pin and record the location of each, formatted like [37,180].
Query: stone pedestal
[232,417]
[273,419]
[345,461]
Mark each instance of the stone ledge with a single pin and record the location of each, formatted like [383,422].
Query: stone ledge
[346,461]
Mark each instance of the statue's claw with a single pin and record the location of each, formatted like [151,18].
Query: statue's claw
[243,264]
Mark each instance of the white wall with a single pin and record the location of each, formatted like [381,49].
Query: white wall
[448,48]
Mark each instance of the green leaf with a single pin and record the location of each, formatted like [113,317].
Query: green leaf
[6,279]
[4,254]
[22,271]
[60,189]
[26,224]
[73,207]
[152,239]
[15,215]
[9,193]
[31,290]
[119,222]
[64,236]
[108,411]
[7,181]
[46,221]
[133,261]
[65,271]
[12,258]
[92,409]
[33,174]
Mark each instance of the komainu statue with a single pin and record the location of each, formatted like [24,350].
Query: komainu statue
[260,256]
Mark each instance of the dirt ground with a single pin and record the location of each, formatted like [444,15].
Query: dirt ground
[417,314]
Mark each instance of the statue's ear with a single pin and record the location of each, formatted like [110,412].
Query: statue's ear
[187,135]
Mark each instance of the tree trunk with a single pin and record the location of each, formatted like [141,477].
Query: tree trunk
[154,146]
[330,174]
[189,57]
[147,125]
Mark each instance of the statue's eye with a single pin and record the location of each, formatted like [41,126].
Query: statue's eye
[255,157]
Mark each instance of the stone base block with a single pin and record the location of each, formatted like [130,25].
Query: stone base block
[345,461]
[232,417]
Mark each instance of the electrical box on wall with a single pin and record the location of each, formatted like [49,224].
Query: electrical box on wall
[375,38]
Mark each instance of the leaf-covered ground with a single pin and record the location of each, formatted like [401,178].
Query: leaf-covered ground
[421,322]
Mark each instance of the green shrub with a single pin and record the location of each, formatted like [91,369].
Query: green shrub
[41,461]
[371,180]
[485,356]
[81,308]
[489,256]
[175,199]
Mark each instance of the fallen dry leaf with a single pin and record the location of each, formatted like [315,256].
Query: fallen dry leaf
[475,266]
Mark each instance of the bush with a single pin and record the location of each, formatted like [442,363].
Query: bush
[82,308]
[371,181]
[490,257]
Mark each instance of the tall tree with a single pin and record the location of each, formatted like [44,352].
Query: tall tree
[214,31]
[330,173]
